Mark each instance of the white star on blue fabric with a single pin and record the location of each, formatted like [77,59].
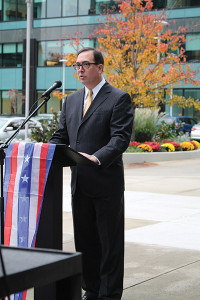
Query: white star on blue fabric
[22,239]
[24,199]
[26,158]
[23,219]
[25,178]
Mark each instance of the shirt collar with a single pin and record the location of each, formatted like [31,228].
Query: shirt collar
[96,89]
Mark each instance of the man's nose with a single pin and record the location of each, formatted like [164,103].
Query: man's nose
[81,69]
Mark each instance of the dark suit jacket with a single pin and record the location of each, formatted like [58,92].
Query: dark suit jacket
[105,132]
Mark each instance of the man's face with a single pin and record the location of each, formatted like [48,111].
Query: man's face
[93,75]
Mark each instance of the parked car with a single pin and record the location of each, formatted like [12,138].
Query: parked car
[186,122]
[195,132]
[8,125]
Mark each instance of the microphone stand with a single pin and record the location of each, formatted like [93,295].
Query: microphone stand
[2,157]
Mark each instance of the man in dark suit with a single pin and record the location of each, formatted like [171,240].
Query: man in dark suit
[101,132]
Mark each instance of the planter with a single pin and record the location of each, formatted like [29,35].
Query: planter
[129,158]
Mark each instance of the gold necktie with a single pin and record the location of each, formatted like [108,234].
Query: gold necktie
[89,101]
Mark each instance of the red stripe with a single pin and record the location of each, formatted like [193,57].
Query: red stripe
[10,194]
[42,173]
[24,295]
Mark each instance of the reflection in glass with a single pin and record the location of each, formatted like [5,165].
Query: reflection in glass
[49,53]
[86,7]
[53,103]
[9,55]
[39,9]
[19,55]
[193,47]
[21,10]
[12,102]
[1,12]
[9,11]
[159,4]
[53,8]
[190,3]
[69,8]
[42,109]
[103,5]
[1,56]
[175,3]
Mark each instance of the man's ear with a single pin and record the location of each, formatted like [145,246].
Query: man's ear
[100,67]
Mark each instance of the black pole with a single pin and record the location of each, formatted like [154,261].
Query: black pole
[2,157]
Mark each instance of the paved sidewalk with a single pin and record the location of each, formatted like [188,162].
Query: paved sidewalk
[162,244]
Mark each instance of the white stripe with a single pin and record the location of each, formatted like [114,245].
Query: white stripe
[34,191]
[20,158]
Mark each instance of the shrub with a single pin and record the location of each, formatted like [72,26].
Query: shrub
[143,134]
[48,127]
[167,131]
[145,124]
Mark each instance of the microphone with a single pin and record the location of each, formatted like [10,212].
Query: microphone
[56,85]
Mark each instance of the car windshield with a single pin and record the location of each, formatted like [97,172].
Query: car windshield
[168,120]
[2,122]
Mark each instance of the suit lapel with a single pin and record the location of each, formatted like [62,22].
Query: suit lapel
[80,105]
[98,100]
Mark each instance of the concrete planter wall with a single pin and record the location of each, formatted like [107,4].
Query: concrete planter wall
[129,158]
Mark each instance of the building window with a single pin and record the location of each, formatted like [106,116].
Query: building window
[14,10]
[191,111]
[69,8]
[12,102]
[21,10]
[11,55]
[190,3]
[39,9]
[175,4]
[50,52]
[66,8]
[91,7]
[1,11]
[193,47]
[159,4]
[102,6]
[53,8]
[53,103]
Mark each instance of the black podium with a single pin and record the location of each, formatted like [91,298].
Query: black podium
[50,233]
[27,268]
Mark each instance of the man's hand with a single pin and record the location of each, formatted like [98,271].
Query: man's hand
[90,157]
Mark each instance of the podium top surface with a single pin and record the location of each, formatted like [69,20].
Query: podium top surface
[27,268]
[66,156]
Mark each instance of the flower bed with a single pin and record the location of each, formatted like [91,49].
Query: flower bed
[165,146]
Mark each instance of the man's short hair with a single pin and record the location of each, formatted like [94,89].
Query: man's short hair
[98,56]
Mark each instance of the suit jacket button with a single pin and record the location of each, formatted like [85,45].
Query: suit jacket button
[77,142]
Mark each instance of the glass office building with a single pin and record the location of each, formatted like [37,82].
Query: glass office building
[52,22]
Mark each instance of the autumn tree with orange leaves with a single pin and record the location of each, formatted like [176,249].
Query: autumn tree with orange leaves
[143,56]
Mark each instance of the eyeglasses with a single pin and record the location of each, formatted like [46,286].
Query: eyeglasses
[84,65]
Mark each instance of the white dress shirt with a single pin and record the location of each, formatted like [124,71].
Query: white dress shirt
[95,91]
